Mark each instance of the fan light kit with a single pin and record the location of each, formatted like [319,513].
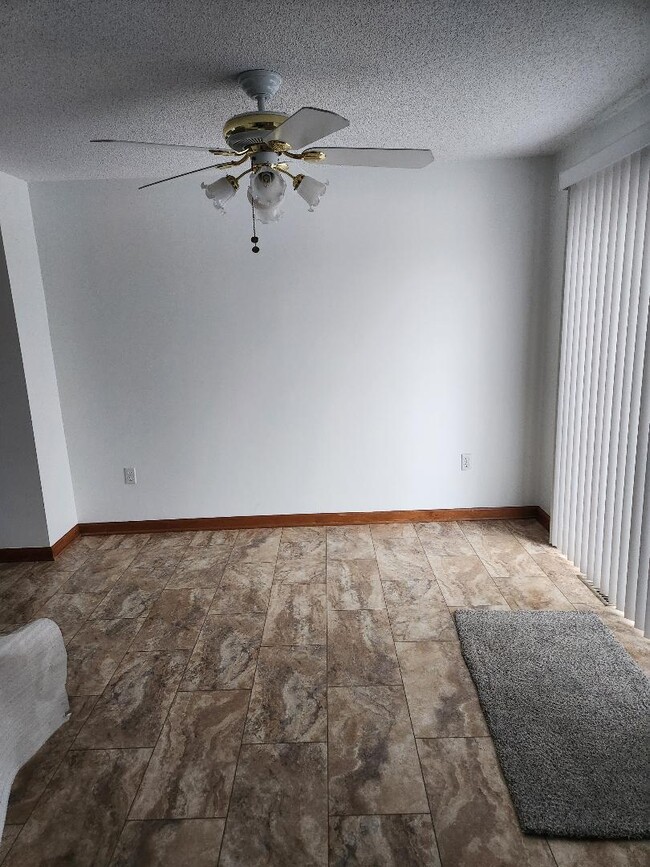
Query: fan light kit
[267,140]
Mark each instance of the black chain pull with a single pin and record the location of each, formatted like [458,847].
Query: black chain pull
[254,238]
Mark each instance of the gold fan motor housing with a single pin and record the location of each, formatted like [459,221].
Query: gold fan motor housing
[243,130]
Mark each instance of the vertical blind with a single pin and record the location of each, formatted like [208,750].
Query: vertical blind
[601,501]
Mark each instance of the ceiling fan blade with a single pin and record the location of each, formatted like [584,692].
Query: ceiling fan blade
[173,177]
[156,144]
[307,125]
[385,158]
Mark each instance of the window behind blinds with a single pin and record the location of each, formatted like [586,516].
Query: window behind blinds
[601,508]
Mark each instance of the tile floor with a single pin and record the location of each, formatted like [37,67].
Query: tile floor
[283,697]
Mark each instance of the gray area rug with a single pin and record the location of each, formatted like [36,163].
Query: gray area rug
[569,712]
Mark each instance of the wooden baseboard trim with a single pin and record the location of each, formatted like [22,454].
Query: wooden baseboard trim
[543,517]
[246,522]
[65,540]
[322,519]
[27,555]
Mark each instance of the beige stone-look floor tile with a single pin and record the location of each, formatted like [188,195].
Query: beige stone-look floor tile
[300,542]
[95,652]
[153,566]
[32,778]
[361,650]
[395,530]
[214,539]
[600,853]
[530,534]
[225,654]
[129,598]
[373,763]
[439,689]
[465,581]
[244,589]
[22,598]
[9,578]
[297,615]
[301,556]
[173,540]
[175,620]
[75,554]
[401,559]
[69,827]
[193,765]
[383,841]
[70,610]
[9,834]
[278,808]
[354,584]
[169,843]
[202,567]
[444,539]
[566,578]
[131,711]
[499,550]
[123,542]
[99,571]
[350,543]
[472,813]
[256,546]
[12,617]
[310,569]
[289,699]
[536,592]
[417,611]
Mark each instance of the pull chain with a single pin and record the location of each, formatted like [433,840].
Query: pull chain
[254,238]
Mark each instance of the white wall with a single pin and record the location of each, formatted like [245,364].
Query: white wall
[28,300]
[22,514]
[345,367]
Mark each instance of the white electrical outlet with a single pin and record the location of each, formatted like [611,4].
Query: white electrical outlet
[129,476]
[465,462]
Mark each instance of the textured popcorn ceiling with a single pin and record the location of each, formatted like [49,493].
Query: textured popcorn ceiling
[469,78]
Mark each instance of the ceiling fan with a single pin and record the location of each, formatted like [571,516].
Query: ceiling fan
[268,139]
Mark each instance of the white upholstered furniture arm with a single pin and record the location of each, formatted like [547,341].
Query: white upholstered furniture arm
[33,699]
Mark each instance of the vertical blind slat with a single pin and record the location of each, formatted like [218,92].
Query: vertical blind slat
[575,206]
[574,377]
[595,431]
[633,370]
[612,398]
[561,416]
[588,390]
[603,393]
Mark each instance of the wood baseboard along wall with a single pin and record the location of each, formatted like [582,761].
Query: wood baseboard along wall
[245,522]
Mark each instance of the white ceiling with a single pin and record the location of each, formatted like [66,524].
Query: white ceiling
[467,78]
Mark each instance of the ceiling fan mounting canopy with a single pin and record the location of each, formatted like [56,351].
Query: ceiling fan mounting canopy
[244,130]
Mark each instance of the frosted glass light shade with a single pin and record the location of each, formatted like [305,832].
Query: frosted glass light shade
[266,190]
[310,190]
[220,192]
